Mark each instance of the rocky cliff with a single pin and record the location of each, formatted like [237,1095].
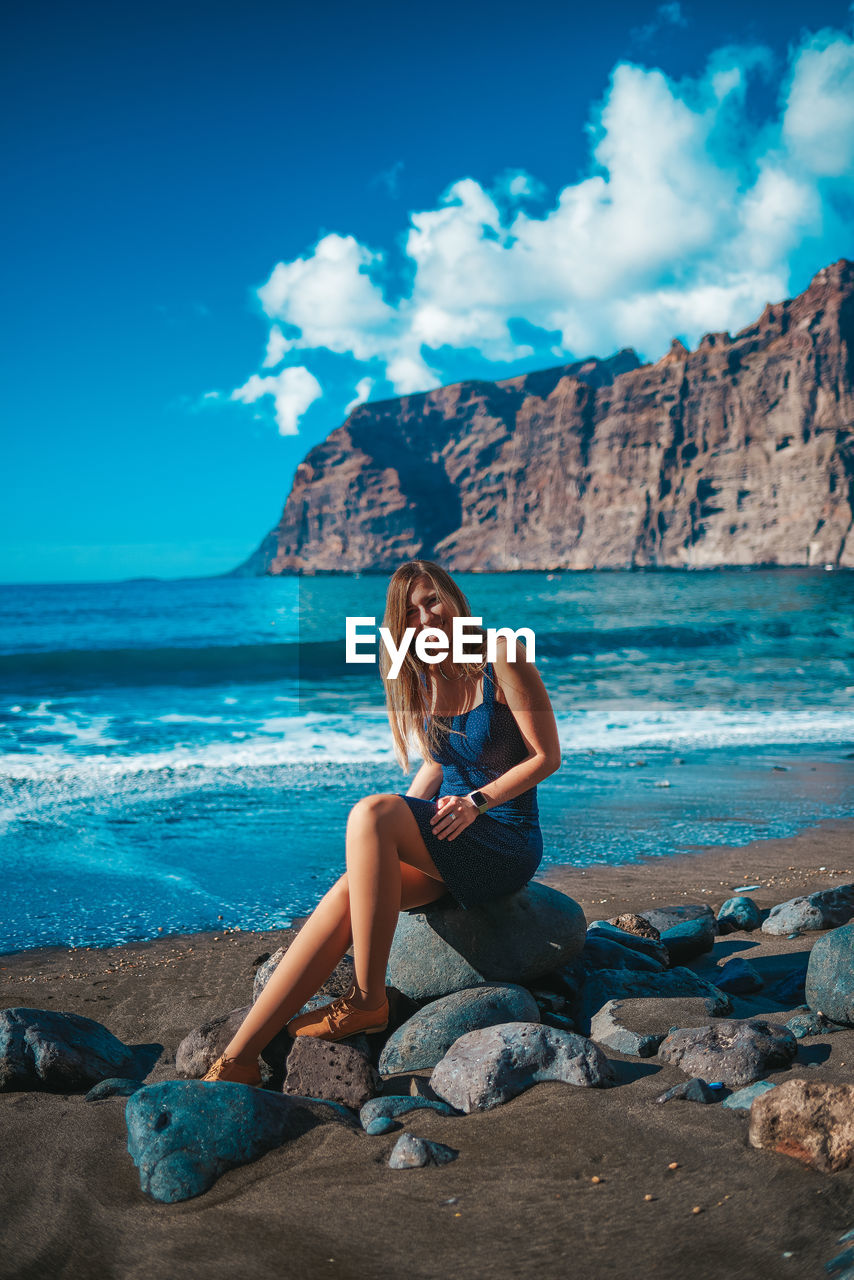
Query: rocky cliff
[738,453]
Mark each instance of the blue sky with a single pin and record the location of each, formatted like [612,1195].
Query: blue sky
[229,222]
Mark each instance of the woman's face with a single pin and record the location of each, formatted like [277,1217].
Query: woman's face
[425,608]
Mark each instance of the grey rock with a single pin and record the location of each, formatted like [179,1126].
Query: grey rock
[739,913]
[566,981]
[558,1020]
[410,1152]
[606,1028]
[621,984]
[811,1024]
[603,953]
[842,1266]
[830,976]
[390,1106]
[337,984]
[486,1068]
[739,977]
[733,1051]
[117,1087]
[652,948]
[823,910]
[64,1052]
[690,939]
[662,918]
[517,938]
[184,1134]
[742,1099]
[333,1071]
[428,1035]
[201,1047]
[691,1091]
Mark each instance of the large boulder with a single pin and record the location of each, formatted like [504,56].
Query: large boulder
[65,1052]
[823,910]
[184,1134]
[739,977]
[428,1035]
[809,1120]
[637,1027]
[734,1052]
[337,984]
[335,1072]
[486,1068]
[623,984]
[517,938]
[829,985]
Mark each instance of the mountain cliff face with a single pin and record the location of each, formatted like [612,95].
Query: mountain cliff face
[739,453]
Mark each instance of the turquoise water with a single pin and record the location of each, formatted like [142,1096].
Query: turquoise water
[176,752]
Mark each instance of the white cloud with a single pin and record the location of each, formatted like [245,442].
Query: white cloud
[689,219]
[293,390]
[364,387]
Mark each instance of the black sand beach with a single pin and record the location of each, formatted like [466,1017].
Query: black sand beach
[519,1201]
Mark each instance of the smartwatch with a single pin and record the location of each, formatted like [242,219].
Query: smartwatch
[480,800]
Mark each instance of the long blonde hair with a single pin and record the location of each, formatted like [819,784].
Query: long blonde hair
[411,697]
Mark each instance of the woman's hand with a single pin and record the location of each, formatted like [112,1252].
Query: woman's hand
[455,813]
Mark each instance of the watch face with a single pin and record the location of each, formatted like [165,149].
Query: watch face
[479,798]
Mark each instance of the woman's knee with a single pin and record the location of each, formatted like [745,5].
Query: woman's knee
[372,810]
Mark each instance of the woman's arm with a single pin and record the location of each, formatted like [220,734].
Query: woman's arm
[427,781]
[526,697]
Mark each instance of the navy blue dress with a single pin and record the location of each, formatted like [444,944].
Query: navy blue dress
[500,851]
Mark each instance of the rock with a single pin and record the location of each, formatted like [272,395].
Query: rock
[662,918]
[428,1035]
[735,1052]
[201,1047]
[691,1091]
[823,910]
[738,977]
[621,984]
[64,1052]
[337,984]
[690,939]
[331,1070]
[742,1099]
[390,1106]
[382,1124]
[810,1121]
[830,976]
[410,1152]
[638,925]
[550,1002]
[811,1024]
[558,1020]
[486,1068]
[517,938]
[184,1134]
[649,947]
[739,913]
[606,1028]
[117,1087]
[602,953]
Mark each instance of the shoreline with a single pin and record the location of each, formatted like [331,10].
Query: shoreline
[813,850]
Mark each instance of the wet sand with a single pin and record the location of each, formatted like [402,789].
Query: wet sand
[519,1201]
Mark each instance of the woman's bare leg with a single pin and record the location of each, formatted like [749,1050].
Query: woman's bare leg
[382,836]
[326,935]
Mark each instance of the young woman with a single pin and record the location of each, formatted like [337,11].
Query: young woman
[468,825]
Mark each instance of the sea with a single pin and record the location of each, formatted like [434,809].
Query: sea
[182,755]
